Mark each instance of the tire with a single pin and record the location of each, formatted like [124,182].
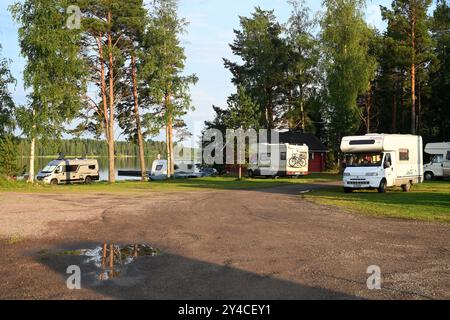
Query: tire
[382,187]
[348,190]
[54,182]
[429,176]
[88,180]
[250,174]
[406,187]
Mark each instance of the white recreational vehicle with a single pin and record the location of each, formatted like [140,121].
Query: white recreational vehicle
[280,160]
[70,171]
[379,161]
[183,169]
[439,167]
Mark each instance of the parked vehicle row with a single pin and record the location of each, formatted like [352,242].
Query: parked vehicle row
[372,161]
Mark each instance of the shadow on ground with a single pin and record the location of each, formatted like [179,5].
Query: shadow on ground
[171,276]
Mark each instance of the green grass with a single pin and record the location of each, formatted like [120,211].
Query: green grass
[221,183]
[429,201]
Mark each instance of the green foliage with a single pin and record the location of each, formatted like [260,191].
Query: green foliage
[437,122]
[9,154]
[243,112]
[263,51]
[349,66]
[161,68]
[54,70]
[6,102]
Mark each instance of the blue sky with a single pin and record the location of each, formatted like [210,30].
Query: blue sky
[206,43]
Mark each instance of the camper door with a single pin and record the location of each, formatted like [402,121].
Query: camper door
[446,164]
[389,168]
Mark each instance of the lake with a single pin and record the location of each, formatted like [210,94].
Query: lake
[122,163]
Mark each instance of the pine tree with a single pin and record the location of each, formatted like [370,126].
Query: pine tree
[263,51]
[164,86]
[408,26]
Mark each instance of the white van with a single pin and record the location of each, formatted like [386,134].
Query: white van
[70,171]
[183,169]
[280,160]
[439,167]
[379,161]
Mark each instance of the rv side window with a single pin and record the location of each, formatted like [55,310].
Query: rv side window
[448,155]
[72,168]
[190,166]
[404,154]
[176,167]
[283,156]
[159,167]
[92,167]
[361,142]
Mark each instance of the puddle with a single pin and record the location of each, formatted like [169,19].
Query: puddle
[112,260]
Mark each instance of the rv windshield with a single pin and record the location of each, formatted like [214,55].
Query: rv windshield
[369,159]
[49,169]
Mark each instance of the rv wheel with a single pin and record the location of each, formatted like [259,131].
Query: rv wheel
[88,180]
[406,187]
[382,187]
[250,174]
[54,182]
[429,176]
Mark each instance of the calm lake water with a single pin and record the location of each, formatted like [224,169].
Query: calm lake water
[130,163]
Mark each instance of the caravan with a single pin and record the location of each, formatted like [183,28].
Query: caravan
[275,160]
[379,161]
[439,166]
[183,169]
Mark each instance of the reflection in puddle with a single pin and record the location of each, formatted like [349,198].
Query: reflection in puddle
[112,260]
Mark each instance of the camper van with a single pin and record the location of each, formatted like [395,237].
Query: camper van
[280,160]
[379,161]
[439,166]
[70,171]
[182,169]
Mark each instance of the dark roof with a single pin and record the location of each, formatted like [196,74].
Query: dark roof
[296,137]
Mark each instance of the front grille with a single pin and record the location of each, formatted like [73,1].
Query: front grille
[358,182]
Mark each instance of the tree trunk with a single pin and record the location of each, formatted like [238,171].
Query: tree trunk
[394,113]
[138,120]
[413,72]
[169,174]
[368,108]
[172,156]
[32,156]
[111,153]
[103,88]
[170,163]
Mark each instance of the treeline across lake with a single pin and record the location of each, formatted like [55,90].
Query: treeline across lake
[89,148]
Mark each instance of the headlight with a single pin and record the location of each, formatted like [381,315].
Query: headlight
[346,174]
[372,174]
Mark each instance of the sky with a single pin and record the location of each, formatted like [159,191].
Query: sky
[207,41]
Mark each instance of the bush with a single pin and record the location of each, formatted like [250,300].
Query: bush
[9,166]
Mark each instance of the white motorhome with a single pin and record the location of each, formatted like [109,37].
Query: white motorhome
[280,160]
[70,171]
[183,169]
[439,166]
[379,161]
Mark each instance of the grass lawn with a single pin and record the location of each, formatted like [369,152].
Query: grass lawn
[429,201]
[223,183]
